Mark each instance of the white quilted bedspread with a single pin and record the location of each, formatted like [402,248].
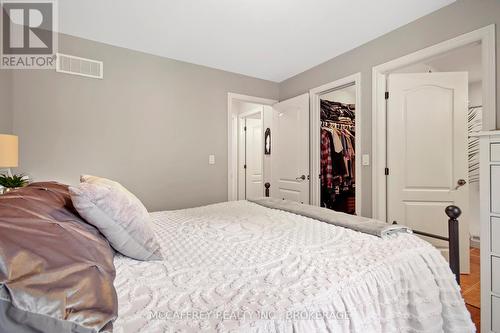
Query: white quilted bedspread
[240,267]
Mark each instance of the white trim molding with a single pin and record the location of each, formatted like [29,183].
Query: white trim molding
[232,140]
[486,37]
[315,121]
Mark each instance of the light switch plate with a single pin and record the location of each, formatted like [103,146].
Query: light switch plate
[365,160]
[211,159]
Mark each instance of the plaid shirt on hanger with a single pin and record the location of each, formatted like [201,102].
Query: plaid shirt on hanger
[326,160]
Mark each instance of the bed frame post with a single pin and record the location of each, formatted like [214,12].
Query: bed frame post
[267,186]
[453,213]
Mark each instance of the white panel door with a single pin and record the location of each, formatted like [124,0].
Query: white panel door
[254,152]
[427,153]
[290,150]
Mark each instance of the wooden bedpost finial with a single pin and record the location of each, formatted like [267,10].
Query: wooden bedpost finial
[453,212]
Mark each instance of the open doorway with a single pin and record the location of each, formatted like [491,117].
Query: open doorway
[462,66]
[282,143]
[426,108]
[248,167]
[466,60]
[338,176]
[336,145]
[485,37]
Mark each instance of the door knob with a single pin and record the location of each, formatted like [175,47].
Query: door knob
[303,177]
[460,182]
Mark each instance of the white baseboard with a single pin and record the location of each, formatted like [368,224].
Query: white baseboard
[475,242]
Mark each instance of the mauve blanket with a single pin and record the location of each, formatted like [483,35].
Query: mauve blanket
[56,271]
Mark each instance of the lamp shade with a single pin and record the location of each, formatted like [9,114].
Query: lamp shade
[9,151]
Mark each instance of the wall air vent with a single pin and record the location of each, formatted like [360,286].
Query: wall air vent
[79,66]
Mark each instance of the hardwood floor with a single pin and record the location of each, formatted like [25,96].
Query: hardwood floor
[471,286]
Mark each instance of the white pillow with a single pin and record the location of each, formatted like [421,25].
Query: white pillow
[118,215]
[103,181]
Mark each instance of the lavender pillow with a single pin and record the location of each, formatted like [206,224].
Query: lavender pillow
[119,216]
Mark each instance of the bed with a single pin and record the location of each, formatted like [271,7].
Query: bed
[241,267]
[228,267]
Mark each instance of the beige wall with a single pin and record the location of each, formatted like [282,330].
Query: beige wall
[475,94]
[461,17]
[5,101]
[150,124]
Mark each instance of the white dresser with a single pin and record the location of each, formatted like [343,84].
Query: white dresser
[490,230]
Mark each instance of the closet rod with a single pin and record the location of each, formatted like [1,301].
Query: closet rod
[336,122]
[340,126]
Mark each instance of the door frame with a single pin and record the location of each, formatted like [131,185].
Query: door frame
[232,139]
[241,117]
[315,133]
[485,36]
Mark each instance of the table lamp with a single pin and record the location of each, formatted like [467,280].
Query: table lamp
[9,152]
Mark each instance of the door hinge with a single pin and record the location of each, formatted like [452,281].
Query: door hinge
[244,166]
[386,171]
[386,95]
[245,128]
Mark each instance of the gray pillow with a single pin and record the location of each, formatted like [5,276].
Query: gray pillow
[119,216]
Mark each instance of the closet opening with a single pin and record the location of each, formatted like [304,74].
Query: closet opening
[338,151]
[336,145]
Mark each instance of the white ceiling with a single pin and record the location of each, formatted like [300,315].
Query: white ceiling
[268,39]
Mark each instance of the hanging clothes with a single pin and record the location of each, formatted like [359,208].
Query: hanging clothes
[337,156]
[337,142]
[326,160]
